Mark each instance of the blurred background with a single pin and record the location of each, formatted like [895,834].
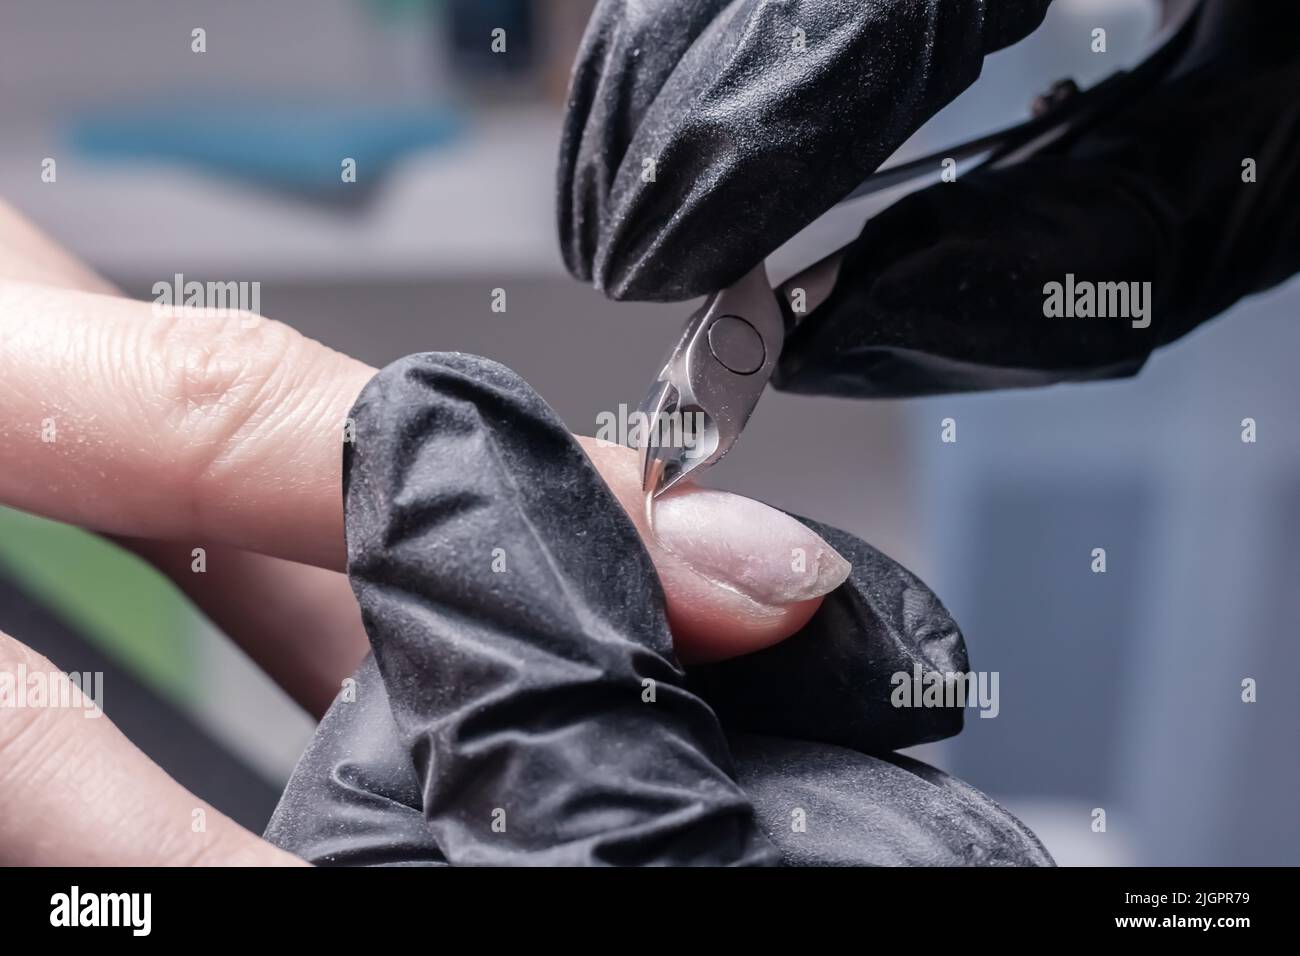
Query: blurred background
[1119,690]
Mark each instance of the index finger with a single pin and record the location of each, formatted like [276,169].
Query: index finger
[173,423]
[202,426]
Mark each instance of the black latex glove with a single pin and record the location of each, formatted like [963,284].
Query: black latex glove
[754,130]
[503,716]
[945,290]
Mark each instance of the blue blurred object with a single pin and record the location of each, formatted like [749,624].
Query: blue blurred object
[294,147]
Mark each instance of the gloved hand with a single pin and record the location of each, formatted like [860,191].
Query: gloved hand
[701,134]
[523,704]
[945,290]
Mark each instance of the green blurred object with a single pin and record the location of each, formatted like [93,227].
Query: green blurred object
[117,601]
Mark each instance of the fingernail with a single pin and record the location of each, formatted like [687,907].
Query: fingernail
[744,545]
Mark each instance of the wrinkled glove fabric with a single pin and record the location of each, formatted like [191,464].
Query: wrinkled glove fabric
[945,290]
[522,704]
[701,134]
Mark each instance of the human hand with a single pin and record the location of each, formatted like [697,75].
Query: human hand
[951,288]
[174,429]
[700,135]
[535,714]
[946,289]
